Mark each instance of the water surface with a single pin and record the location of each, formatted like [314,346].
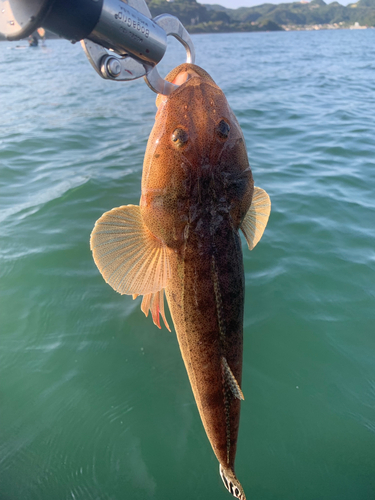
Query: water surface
[95,402]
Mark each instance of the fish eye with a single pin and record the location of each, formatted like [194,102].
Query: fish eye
[180,137]
[223,129]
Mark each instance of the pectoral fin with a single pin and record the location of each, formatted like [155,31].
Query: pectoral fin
[154,302]
[127,254]
[256,218]
[231,381]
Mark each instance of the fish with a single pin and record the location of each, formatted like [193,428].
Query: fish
[182,241]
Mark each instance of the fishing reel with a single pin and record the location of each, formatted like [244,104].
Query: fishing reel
[119,37]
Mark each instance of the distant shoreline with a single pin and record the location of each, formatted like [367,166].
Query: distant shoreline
[285,29]
[322,27]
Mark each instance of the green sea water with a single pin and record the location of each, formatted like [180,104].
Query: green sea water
[95,403]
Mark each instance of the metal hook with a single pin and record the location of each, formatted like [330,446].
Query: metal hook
[172,26]
[125,68]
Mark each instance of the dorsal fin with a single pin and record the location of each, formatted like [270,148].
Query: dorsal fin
[127,254]
[154,302]
[256,218]
[231,380]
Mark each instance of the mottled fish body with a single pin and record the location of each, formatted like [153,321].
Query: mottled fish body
[183,239]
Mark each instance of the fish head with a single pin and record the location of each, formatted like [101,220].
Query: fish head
[196,150]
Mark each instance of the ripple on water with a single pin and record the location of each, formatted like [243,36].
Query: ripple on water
[91,391]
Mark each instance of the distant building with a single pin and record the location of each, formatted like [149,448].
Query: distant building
[357,26]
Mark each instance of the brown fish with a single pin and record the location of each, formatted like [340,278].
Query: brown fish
[197,192]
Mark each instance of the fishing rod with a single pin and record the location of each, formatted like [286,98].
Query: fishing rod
[120,38]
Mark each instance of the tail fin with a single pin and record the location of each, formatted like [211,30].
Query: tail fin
[232,484]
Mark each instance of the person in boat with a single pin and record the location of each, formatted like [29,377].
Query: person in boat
[33,40]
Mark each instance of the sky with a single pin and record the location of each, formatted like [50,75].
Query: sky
[234,4]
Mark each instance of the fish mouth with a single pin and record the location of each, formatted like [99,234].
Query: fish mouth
[182,74]
[190,70]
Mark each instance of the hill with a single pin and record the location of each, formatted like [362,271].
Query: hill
[198,18]
[266,17]
[316,12]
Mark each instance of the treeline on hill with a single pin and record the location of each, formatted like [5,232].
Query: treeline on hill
[200,18]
